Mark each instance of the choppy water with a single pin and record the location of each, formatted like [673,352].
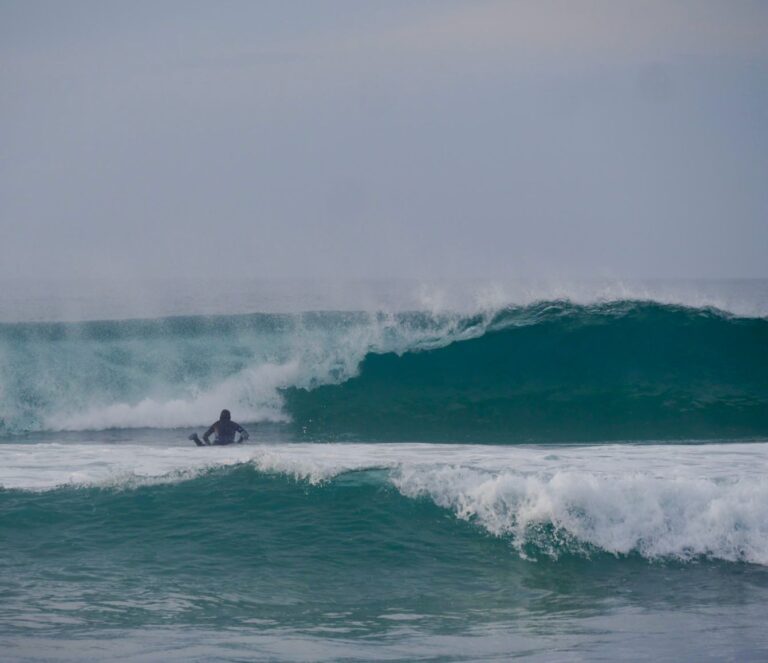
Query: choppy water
[553,479]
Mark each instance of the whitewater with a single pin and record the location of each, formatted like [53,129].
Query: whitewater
[452,473]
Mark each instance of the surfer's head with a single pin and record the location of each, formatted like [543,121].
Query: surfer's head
[225,416]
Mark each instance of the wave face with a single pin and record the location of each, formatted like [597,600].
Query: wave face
[552,371]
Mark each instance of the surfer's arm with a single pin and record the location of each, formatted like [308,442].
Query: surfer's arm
[243,433]
[208,433]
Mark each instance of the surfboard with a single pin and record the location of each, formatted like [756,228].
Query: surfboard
[194,437]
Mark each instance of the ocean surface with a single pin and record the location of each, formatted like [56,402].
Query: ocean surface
[436,472]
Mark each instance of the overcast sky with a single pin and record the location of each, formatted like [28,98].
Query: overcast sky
[350,139]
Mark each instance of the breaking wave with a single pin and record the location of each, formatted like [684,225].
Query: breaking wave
[550,371]
[656,502]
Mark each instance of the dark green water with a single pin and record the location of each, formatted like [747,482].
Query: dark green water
[561,373]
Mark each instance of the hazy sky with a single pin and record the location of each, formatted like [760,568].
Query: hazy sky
[376,139]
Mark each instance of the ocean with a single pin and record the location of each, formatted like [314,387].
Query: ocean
[439,472]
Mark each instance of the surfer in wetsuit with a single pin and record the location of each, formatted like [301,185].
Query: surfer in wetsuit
[225,430]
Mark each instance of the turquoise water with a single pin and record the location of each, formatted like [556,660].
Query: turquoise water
[555,480]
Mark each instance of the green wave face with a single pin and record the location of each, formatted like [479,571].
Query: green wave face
[238,544]
[623,371]
[552,371]
[235,543]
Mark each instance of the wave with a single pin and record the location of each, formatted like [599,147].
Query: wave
[560,372]
[550,371]
[655,502]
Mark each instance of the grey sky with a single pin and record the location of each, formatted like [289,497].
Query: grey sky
[378,139]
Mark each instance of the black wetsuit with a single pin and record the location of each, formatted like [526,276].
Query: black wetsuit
[225,432]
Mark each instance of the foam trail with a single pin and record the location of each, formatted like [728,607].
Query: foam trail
[47,466]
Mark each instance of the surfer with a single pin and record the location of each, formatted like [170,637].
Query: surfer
[225,430]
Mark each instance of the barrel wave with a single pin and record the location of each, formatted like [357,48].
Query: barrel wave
[551,371]
[627,371]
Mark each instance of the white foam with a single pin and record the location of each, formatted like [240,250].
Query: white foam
[656,500]
[253,391]
[656,517]
[312,359]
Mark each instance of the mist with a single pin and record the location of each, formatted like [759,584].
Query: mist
[419,140]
